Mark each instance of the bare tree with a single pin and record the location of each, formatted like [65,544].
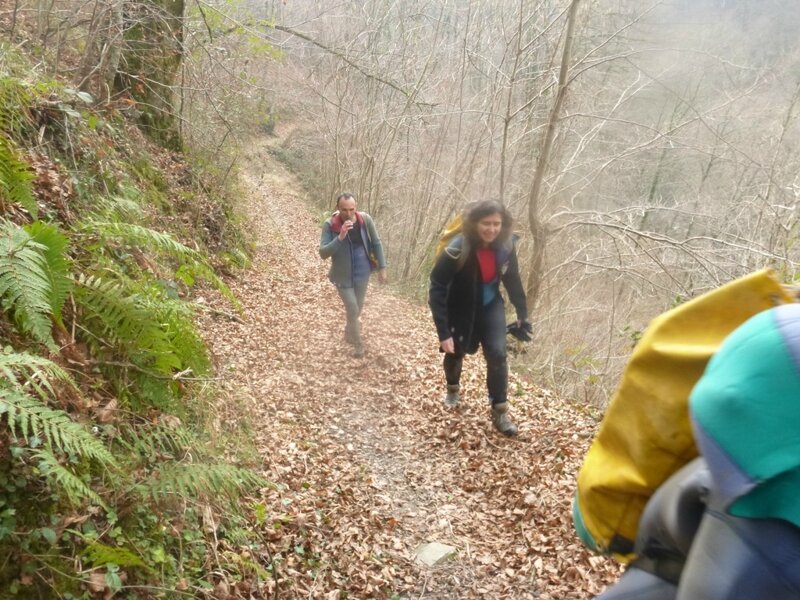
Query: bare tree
[537,228]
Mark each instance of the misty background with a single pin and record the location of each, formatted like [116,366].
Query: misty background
[673,167]
[647,149]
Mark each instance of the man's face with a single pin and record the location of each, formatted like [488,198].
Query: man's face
[347,208]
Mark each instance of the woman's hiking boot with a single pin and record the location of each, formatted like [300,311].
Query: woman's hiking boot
[501,420]
[452,398]
[359,351]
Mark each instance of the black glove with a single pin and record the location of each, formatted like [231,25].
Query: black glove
[521,330]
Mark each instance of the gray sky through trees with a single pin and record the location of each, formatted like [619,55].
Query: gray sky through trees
[674,158]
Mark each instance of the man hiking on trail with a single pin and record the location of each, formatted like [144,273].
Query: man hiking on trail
[350,240]
[467,307]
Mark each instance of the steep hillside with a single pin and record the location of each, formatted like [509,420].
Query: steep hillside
[113,475]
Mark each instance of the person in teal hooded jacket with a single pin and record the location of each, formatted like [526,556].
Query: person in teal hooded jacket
[727,525]
[351,241]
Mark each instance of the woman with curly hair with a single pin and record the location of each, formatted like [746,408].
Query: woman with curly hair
[467,307]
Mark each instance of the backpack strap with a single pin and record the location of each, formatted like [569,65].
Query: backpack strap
[335,223]
[454,247]
[360,217]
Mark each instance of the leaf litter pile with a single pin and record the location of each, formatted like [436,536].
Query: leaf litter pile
[367,462]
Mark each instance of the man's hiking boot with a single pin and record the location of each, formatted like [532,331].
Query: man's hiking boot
[352,335]
[501,420]
[452,398]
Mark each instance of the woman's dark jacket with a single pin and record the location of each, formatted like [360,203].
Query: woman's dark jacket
[455,294]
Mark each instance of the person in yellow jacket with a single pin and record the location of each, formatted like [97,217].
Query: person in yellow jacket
[727,525]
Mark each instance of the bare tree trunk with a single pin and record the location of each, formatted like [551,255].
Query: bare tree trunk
[507,117]
[150,63]
[114,42]
[536,222]
[91,59]
[14,20]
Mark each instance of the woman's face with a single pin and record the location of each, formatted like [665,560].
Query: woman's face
[489,228]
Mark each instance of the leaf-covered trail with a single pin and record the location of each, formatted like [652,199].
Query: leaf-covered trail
[368,462]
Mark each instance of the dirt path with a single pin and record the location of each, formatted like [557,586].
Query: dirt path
[368,463]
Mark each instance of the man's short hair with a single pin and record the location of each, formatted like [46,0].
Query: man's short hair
[345,195]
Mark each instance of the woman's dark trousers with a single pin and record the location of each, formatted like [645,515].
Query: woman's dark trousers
[492,330]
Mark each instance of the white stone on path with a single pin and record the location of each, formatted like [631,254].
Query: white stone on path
[434,553]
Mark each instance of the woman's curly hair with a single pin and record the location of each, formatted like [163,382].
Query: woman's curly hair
[472,214]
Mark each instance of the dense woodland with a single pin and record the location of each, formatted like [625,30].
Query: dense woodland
[649,151]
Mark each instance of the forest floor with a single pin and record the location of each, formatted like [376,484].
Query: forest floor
[367,462]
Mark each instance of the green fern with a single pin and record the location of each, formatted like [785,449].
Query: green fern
[176,319]
[25,281]
[162,243]
[15,95]
[152,443]
[55,246]
[15,179]
[23,371]
[98,554]
[198,479]
[117,208]
[73,486]
[29,416]
[119,317]
[144,391]
[153,333]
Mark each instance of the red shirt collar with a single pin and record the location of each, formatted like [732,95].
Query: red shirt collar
[336,221]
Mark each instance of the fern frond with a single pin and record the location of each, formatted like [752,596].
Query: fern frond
[198,479]
[114,313]
[25,281]
[151,443]
[247,563]
[28,416]
[155,332]
[118,207]
[176,319]
[15,179]
[139,236]
[98,554]
[74,487]
[15,95]
[22,370]
[55,246]
[149,391]
[162,243]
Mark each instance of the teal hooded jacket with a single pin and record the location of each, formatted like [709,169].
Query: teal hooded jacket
[745,413]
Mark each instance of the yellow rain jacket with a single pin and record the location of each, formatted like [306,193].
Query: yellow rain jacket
[645,434]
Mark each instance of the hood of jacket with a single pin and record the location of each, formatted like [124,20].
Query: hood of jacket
[746,415]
